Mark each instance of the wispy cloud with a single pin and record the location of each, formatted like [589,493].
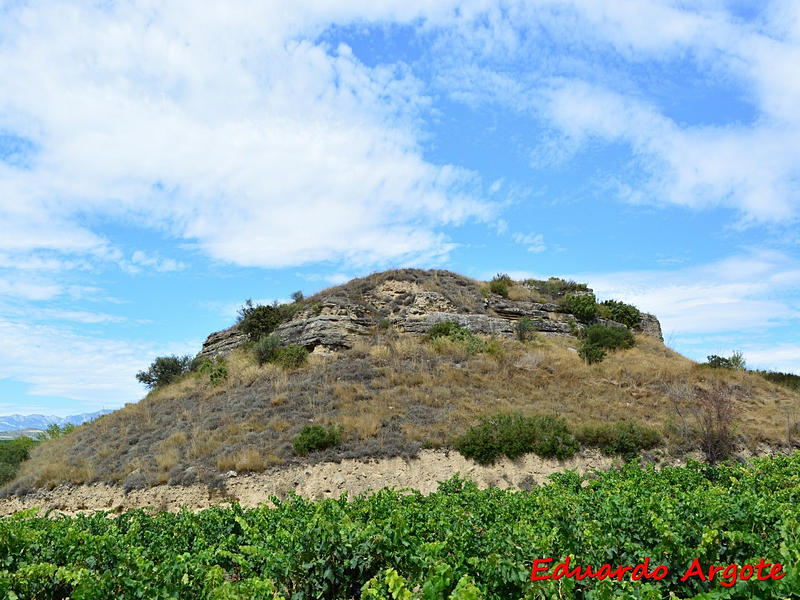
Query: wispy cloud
[95,371]
[534,242]
[583,91]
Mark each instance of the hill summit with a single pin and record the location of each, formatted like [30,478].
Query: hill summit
[412,301]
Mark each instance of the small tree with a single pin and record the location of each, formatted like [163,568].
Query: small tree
[164,370]
[258,320]
[525,329]
[54,430]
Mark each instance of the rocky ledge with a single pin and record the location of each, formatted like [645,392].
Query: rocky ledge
[338,319]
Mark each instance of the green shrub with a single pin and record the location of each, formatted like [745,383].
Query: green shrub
[219,371]
[165,370]
[266,348]
[262,319]
[454,332]
[625,439]
[199,363]
[316,437]
[524,329]
[583,306]
[736,361]
[445,329]
[291,357]
[555,287]
[12,453]
[513,435]
[591,353]
[500,284]
[620,312]
[55,430]
[611,338]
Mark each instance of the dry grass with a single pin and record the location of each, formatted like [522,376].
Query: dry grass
[518,292]
[392,398]
[249,459]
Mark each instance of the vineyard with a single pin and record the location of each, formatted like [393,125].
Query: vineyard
[460,542]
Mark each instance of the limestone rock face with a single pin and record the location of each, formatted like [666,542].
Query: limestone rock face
[410,301]
[222,343]
[333,331]
[649,325]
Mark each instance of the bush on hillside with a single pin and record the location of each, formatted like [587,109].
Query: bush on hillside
[591,353]
[513,435]
[291,357]
[12,453]
[452,331]
[736,362]
[716,423]
[266,348]
[55,430]
[261,319]
[164,370]
[625,439]
[217,370]
[524,329]
[620,312]
[500,284]
[555,287]
[583,306]
[610,338]
[316,437]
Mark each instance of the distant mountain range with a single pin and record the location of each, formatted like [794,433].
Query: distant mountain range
[16,422]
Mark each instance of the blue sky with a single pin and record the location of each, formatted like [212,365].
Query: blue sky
[161,163]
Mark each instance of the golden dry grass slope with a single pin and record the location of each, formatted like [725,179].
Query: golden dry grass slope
[394,394]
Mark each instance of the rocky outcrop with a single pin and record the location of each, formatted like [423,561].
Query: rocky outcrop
[649,325]
[222,343]
[336,328]
[337,319]
[482,324]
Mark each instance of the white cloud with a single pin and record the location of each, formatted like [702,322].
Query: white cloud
[96,372]
[573,65]
[533,241]
[784,358]
[740,293]
[29,290]
[228,127]
[142,261]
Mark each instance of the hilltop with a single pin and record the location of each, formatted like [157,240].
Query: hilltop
[406,360]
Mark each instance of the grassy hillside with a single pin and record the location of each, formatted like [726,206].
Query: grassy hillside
[393,394]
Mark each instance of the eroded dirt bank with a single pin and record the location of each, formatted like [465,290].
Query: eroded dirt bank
[323,480]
